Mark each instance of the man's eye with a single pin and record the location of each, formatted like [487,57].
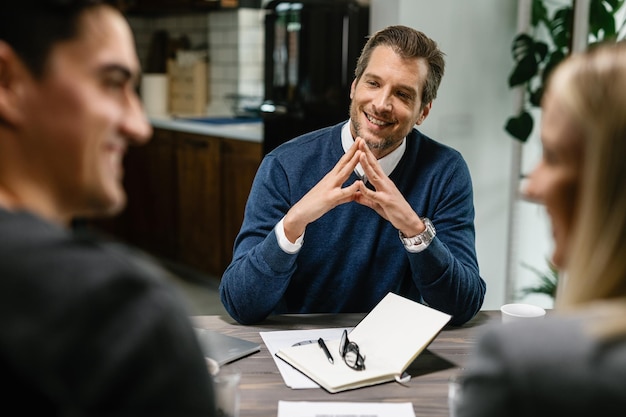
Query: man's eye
[114,83]
[404,96]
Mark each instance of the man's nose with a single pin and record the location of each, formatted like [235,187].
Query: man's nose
[136,126]
[382,102]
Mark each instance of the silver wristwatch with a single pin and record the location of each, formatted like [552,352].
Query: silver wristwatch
[419,242]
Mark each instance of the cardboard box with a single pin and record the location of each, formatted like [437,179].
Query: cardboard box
[188,87]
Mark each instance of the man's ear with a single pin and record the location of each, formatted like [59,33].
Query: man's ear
[13,75]
[424,113]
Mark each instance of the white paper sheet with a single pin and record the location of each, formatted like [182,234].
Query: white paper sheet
[284,338]
[343,409]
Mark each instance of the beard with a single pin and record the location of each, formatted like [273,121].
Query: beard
[380,145]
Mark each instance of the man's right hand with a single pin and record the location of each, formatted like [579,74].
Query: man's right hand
[326,195]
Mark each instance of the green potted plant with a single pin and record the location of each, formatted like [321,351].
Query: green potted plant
[548,281]
[538,53]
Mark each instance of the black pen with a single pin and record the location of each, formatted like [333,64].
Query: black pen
[320,342]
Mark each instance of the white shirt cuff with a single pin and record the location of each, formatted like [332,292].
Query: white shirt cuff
[284,243]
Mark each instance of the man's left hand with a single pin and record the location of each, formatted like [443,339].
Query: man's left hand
[386,199]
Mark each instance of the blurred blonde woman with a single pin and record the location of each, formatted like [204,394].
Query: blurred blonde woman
[573,363]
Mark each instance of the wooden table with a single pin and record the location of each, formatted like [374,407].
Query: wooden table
[262,385]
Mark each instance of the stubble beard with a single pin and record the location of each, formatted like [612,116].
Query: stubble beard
[381,145]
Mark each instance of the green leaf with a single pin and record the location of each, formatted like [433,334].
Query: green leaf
[601,20]
[539,13]
[520,126]
[561,28]
[534,97]
[522,46]
[528,55]
[525,70]
[541,50]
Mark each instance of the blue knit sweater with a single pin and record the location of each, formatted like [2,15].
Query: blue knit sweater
[351,257]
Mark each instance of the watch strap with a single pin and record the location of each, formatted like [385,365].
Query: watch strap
[421,241]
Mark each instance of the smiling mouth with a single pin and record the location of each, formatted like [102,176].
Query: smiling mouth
[376,121]
[115,155]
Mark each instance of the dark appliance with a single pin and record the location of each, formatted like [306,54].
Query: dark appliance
[311,49]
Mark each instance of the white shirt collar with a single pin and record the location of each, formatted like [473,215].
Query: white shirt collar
[388,162]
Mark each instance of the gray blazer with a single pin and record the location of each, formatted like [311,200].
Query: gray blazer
[549,367]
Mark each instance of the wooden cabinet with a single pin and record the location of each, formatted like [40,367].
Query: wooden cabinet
[151,212]
[240,161]
[150,219]
[199,189]
[186,197]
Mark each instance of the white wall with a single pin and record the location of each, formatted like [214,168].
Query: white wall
[472,106]
[236,47]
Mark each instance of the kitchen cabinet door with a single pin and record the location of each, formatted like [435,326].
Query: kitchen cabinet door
[150,218]
[240,161]
[199,200]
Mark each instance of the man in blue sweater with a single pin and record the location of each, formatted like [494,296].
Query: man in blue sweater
[339,217]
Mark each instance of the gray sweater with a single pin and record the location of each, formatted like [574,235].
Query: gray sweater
[550,367]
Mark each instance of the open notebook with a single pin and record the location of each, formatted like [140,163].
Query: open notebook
[390,337]
[223,348]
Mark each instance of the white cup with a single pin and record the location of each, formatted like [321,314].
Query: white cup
[521,311]
[226,385]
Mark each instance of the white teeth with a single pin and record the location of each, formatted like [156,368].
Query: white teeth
[375,121]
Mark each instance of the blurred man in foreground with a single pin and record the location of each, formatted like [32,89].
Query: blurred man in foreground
[85,327]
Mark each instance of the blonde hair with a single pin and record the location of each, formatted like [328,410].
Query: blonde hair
[592,87]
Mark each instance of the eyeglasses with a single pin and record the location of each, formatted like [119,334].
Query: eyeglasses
[349,351]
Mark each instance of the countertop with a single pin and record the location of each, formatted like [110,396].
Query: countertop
[248,131]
